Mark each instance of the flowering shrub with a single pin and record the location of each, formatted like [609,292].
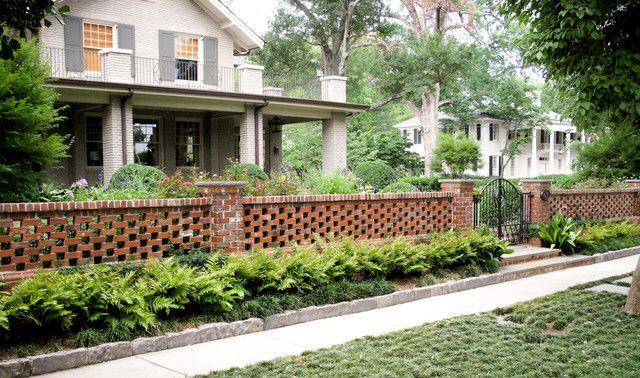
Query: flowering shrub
[177,186]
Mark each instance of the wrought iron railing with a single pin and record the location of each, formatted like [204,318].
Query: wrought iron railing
[186,74]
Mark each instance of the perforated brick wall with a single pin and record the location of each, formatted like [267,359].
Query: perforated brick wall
[271,222]
[595,203]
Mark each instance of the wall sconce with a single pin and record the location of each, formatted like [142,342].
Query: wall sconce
[276,150]
[275,125]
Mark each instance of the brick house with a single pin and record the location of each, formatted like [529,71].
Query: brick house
[163,83]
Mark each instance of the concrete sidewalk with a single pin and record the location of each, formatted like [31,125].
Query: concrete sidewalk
[261,346]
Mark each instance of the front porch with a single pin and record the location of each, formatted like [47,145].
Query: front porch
[117,124]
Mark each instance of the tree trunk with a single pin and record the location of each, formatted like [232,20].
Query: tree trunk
[633,300]
[429,122]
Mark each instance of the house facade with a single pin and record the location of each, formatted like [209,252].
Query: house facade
[163,83]
[550,150]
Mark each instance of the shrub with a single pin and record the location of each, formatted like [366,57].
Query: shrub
[280,185]
[176,186]
[336,183]
[598,238]
[454,154]
[560,232]
[399,187]
[424,184]
[244,172]
[376,174]
[136,177]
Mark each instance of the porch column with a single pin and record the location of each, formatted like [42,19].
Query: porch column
[334,130]
[534,153]
[567,148]
[251,78]
[275,151]
[552,152]
[334,143]
[252,137]
[117,136]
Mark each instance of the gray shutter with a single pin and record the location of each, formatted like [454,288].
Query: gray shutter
[127,40]
[167,56]
[210,71]
[73,54]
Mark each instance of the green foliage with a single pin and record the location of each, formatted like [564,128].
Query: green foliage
[599,238]
[588,50]
[28,122]
[136,177]
[279,185]
[454,154]
[130,298]
[561,232]
[335,183]
[562,181]
[612,155]
[399,187]
[175,186]
[376,174]
[424,184]
[244,172]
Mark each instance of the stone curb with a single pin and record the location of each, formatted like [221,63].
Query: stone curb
[69,359]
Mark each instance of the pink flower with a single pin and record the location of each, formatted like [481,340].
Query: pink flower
[165,179]
[187,183]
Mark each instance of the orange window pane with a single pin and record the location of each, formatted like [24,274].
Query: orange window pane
[91,59]
[97,36]
[187,48]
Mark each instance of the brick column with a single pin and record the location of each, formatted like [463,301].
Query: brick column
[635,184]
[462,204]
[334,143]
[115,153]
[251,78]
[248,138]
[226,214]
[540,208]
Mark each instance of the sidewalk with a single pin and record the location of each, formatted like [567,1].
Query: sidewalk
[261,346]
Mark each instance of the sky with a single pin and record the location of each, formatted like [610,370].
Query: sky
[255,13]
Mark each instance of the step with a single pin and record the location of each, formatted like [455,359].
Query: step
[526,253]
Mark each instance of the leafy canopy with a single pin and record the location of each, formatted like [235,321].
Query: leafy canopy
[590,49]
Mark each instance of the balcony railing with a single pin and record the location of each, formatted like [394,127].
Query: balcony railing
[179,74]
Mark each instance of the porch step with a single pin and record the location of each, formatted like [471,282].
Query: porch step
[526,253]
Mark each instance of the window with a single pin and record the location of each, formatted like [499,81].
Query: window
[479,131]
[95,37]
[417,136]
[545,136]
[405,133]
[187,58]
[93,141]
[560,137]
[513,167]
[494,169]
[146,141]
[187,143]
[493,131]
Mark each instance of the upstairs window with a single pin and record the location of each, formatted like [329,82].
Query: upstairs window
[512,134]
[187,53]
[493,132]
[479,131]
[95,37]
[417,136]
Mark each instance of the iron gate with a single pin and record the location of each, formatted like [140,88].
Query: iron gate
[504,209]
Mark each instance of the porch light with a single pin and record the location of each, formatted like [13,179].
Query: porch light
[275,125]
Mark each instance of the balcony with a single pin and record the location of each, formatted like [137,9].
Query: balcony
[119,66]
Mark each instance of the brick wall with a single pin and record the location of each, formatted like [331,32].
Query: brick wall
[595,203]
[281,221]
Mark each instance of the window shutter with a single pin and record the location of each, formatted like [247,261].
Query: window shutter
[126,40]
[73,53]
[167,56]
[210,72]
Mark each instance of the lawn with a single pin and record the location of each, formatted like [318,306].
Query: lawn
[572,333]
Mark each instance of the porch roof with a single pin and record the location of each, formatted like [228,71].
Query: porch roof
[76,91]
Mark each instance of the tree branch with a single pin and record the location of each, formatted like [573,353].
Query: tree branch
[384,102]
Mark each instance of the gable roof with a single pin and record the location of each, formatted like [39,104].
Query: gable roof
[244,38]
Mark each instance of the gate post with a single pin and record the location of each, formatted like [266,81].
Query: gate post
[462,204]
[635,184]
[226,214]
[540,206]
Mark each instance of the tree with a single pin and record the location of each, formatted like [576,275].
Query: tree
[633,300]
[428,64]
[19,18]
[335,26]
[28,118]
[591,51]
[611,155]
[515,102]
[454,154]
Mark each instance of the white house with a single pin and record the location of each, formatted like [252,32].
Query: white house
[158,82]
[548,151]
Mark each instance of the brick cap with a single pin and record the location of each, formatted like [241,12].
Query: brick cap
[216,184]
[536,180]
[452,181]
